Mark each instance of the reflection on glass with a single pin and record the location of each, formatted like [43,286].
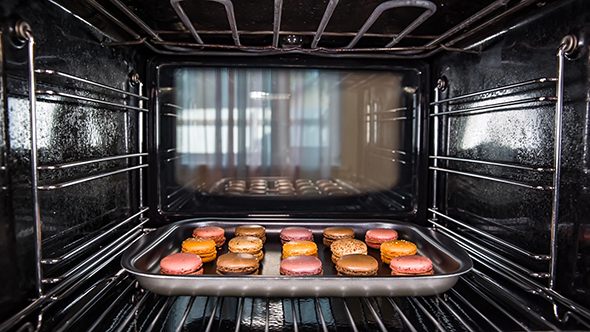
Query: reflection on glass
[237,123]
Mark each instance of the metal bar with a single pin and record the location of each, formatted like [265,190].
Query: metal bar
[94,240]
[429,6]
[491,163]
[231,18]
[135,19]
[390,159]
[388,150]
[87,81]
[276,26]
[93,100]
[325,19]
[116,302]
[97,297]
[158,315]
[172,115]
[483,316]
[432,319]
[485,177]
[494,304]
[173,106]
[239,315]
[505,87]
[435,148]
[89,178]
[133,312]
[185,20]
[557,165]
[212,318]
[186,312]
[140,142]
[499,106]
[34,163]
[321,314]
[111,17]
[454,313]
[493,238]
[266,315]
[375,314]
[86,162]
[388,119]
[294,313]
[402,316]
[350,318]
[475,17]
[98,256]
[290,32]
[393,110]
[469,246]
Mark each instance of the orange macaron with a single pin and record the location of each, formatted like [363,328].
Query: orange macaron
[205,248]
[396,248]
[300,247]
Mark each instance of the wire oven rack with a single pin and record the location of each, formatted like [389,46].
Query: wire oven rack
[152,39]
[506,267]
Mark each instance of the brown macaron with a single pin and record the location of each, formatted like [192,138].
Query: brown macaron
[341,248]
[246,245]
[357,265]
[332,234]
[237,263]
[252,230]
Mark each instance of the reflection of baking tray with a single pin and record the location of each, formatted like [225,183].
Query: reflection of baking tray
[142,259]
[220,188]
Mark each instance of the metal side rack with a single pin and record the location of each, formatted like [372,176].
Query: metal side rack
[62,275]
[485,252]
[292,41]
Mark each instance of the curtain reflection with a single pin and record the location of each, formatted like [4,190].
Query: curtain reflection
[257,122]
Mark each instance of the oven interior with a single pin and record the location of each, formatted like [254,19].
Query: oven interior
[119,117]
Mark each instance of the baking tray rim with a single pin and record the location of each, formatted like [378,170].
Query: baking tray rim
[466,264]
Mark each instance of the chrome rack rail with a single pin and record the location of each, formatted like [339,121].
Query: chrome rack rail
[77,275]
[519,274]
[153,39]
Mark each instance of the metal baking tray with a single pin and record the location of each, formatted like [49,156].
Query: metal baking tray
[142,259]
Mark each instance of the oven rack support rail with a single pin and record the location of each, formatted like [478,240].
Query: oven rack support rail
[518,274]
[153,40]
[73,278]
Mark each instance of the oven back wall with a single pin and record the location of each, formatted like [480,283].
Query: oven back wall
[523,135]
[67,131]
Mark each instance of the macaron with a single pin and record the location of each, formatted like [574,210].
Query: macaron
[413,265]
[300,247]
[214,233]
[341,248]
[374,237]
[246,245]
[396,248]
[181,264]
[237,263]
[252,230]
[357,265]
[202,247]
[301,266]
[332,234]
[295,233]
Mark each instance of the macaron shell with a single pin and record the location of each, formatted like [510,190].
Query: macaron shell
[295,233]
[301,265]
[181,263]
[357,264]
[413,264]
[252,230]
[237,263]
[296,248]
[396,248]
[214,233]
[374,237]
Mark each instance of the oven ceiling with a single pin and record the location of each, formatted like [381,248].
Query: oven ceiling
[400,28]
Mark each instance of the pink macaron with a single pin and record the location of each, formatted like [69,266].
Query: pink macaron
[413,265]
[301,266]
[214,233]
[374,237]
[295,233]
[181,264]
